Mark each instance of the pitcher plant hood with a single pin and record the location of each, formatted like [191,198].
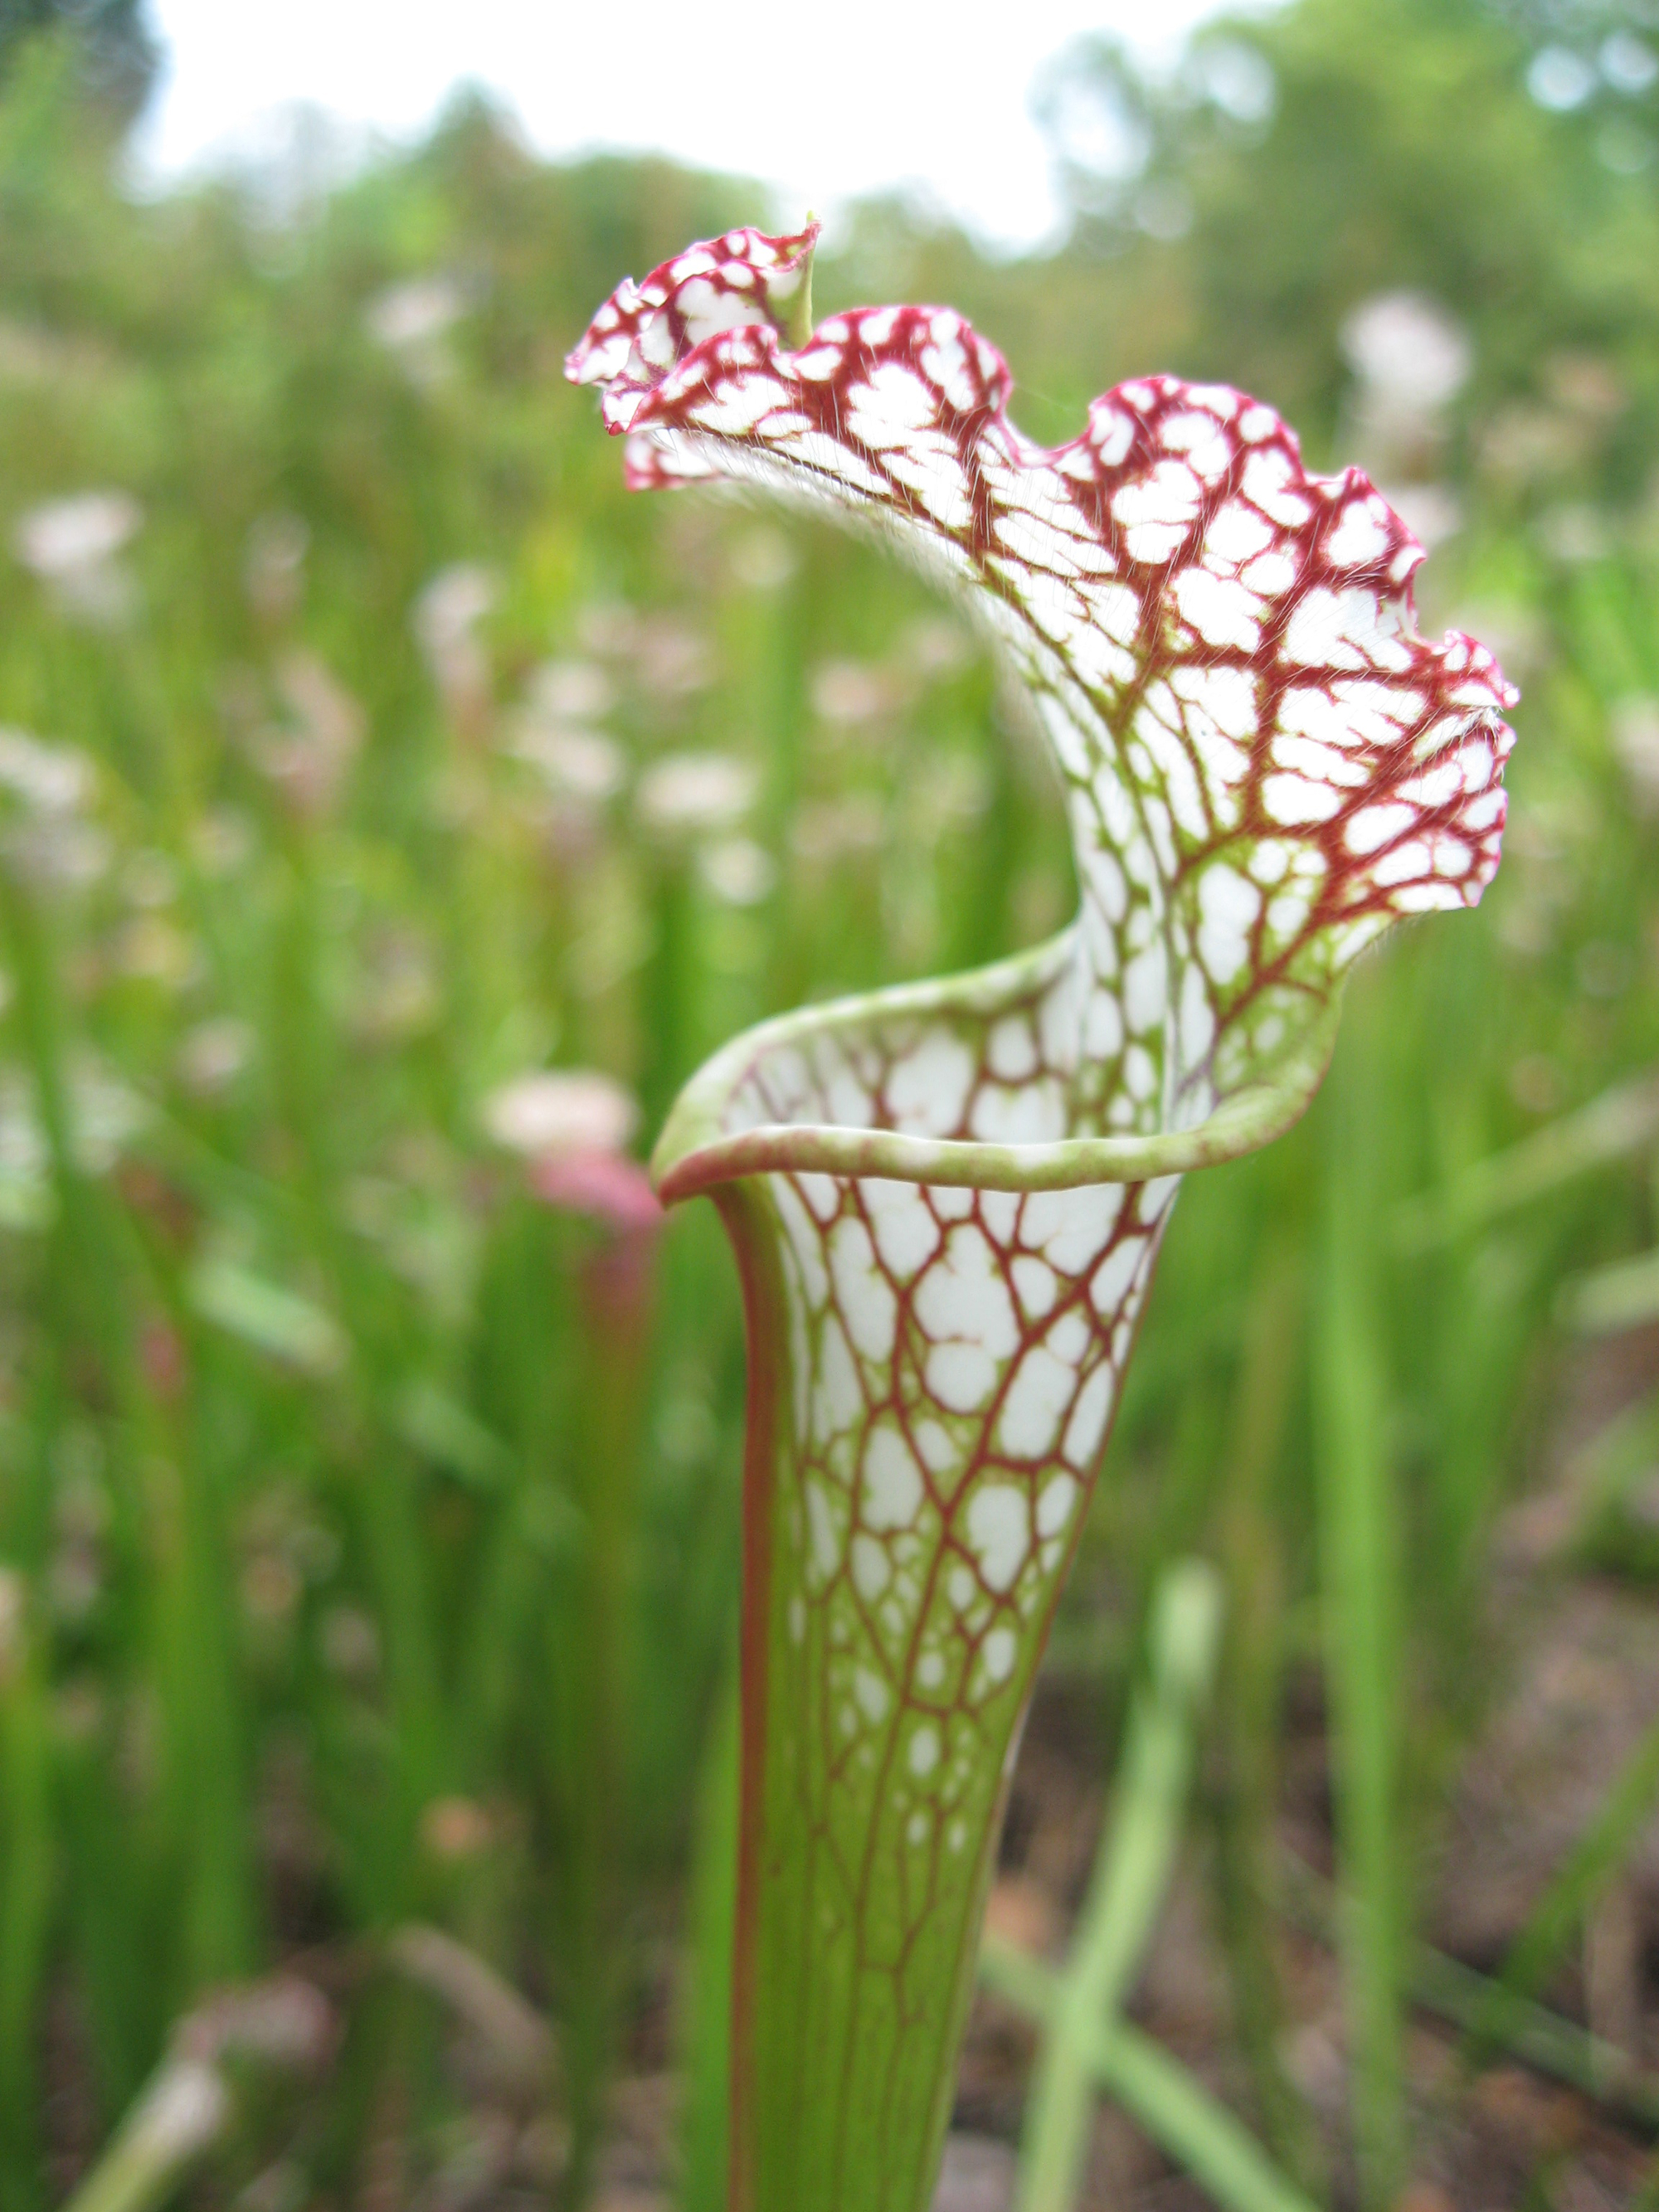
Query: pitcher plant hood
[947,1198]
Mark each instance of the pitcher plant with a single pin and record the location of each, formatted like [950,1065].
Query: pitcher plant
[946,1199]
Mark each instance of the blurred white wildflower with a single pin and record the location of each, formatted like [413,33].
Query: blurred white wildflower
[445,619]
[48,841]
[214,1054]
[825,830]
[71,545]
[451,607]
[1406,343]
[578,763]
[414,312]
[695,794]
[152,949]
[580,766]
[1411,359]
[106,1115]
[570,691]
[936,646]
[1432,512]
[610,628]
[852,694]
[413,320]
[672,661]
[1573,533]
[47,779]
[738,871]
[763,559]
[561,1110]
[222,840]
[273,567]
[307,756]
[1635,730]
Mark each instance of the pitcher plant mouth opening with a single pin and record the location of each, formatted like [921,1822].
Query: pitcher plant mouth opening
[947,1199]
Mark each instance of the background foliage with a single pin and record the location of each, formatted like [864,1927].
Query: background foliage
[335,1503]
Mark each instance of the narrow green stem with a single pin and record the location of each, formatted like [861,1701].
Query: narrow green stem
[1194,2128]
[589,1662]
[1249,1694]
[179,2117]
[705,2026]
[1594,1859]
[1130,1878]
[1358,1541]
[25,1882]
[1622,1121]
[1542,2038]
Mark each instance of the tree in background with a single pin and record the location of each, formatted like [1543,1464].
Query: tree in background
[119,49]
[1498,155]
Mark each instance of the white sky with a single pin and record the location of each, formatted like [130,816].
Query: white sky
[824,102]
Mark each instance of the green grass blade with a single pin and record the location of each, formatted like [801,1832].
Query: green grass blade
[1250,1696]
[1196,2130]
[26,1886]
[705,2021]
[1624,1295]
[1621,1122]
[180,2118]
[1593,1861]
[1542,2038]
[1132,1874]
[1359,1544]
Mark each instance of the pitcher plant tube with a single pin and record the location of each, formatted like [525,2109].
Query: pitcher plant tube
[946,1199]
